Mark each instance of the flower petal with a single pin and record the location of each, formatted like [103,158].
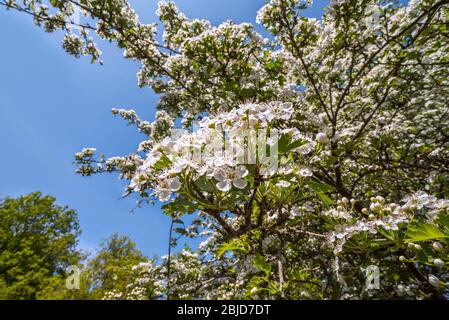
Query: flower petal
[224,186]
[219,174]
[175,184]
[240,172]
[239,183]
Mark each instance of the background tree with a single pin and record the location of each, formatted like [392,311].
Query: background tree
[111,273]
[111,269]
[37,243]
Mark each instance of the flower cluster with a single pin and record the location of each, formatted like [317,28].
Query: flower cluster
[221,148]
[380,215]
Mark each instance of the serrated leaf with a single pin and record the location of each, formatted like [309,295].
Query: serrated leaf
[325,199]
[261,264]
[321,187]
[223,248]
[423,232]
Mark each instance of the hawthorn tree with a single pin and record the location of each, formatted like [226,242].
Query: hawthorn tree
[310,155]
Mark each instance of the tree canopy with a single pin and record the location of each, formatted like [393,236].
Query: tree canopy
[111,269]
[38,248]
[37,243]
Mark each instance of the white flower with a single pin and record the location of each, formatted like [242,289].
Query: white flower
[138,180]
[304,172]
[226,160]
[421,199]
[283,184]
[375,206]
[229,176]
[165,188]
[153,157]
[306,148]
[162,194]
[174,184]
[181,164]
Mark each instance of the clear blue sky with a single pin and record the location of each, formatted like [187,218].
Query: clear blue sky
[52,105]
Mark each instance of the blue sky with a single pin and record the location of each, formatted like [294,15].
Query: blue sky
[52,105]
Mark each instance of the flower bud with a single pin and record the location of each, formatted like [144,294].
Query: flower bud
[322,138]
[402,259]
[437,247]
[434,281]
[438,263]
[375,206]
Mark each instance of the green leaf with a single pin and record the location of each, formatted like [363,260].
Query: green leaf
[179,205]
[389,234]
[325,199]
[164,162]
[181,231]
[262,264]
[297,144]
[443,219]
[285,144]
[231,246]
[320,187]
[204,184]
[423,232]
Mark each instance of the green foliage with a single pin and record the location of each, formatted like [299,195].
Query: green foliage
[111,268]
[37,242]
[423,232]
